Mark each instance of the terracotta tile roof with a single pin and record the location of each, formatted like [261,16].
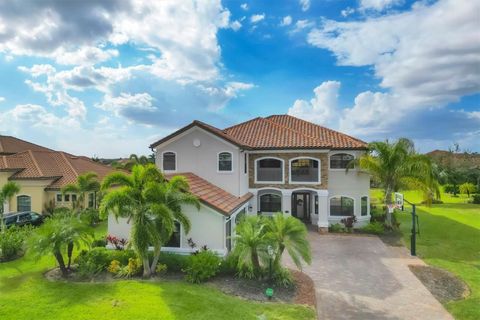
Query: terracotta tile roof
[12,145]
[61,167]
[211,195]
[278,132]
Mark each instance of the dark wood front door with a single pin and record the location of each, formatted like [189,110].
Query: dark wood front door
[301,206]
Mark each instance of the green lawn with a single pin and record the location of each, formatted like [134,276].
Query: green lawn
[449,239]
[25,294]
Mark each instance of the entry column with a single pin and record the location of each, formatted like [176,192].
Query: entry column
[287,202]
[322,211]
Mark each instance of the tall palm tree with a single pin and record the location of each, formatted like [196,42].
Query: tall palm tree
[396,165]
[151,204]
[8,190]
[251,242]
[134,160]
[86,183]
[290,234]
[55,236]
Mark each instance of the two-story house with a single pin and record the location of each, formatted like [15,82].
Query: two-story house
[275,164]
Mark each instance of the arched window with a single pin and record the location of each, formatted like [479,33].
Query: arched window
[364,206]
[304,170]
[341,206]
[269,170]
[24,203]
[169,161]
[340,160]
[270,203]
[225,162]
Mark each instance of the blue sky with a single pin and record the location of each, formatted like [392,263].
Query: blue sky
[108,78]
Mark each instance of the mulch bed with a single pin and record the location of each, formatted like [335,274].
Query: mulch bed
[443,285]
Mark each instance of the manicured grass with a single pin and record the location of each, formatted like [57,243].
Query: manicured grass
[25,294]
[449,239]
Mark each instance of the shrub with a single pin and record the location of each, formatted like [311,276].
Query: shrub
[336,227]
[98,259]
[202,266]
[161,269]
[11,242]
[90,216]
[228,266]
[450,188]
[133,268]
[174,262]
[377,215]
[118,243]
[349,222]
[114,267]
[283,277]
[476,198]
[100,243]
[374,227]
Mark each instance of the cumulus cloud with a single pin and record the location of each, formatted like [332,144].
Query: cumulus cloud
[286,21]
[2,99]
[322,108]
[257,18]
[347,11]
[33,115]
[378,5]
[424,58]
[305,4]
[139,101]
[235,25]
[244,6]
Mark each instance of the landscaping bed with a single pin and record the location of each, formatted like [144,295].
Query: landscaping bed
[443,285]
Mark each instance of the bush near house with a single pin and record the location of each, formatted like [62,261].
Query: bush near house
[202,266]
[12,242]
[374,228]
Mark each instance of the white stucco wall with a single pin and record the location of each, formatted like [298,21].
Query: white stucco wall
[353,184]
[203,160]
[207,228]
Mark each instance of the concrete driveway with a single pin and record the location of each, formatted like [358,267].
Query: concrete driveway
[359,277]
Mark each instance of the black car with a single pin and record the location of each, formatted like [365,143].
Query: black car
[22,218]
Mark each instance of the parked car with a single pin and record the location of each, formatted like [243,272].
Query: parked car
[22,218]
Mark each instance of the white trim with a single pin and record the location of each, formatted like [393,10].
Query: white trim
[341,169]
[368,206]
[218,162]
[269,182]
[176,161]
[290,151]
[319,181]
[336,196]
[195,127]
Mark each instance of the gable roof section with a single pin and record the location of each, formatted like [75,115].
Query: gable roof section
[278,132]
[211,195]
[11,145]
[61,167]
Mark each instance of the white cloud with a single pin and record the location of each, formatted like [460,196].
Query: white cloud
[244,6]
[2,99]
[220,96]
[257,18]
[425,58]
[33,115]
[305,4]
[85,56]
[235,25]
[286,21]
[347,11]
[302,24]
[323,108]
[139,101]
[378,5]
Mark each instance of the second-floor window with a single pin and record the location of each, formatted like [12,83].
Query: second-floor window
[340,160]
[169,161]
[225,162]
[269,170]
[304,170]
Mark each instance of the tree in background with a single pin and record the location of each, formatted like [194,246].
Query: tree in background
[397,166]
[86,183]
[7,192]
[468,188]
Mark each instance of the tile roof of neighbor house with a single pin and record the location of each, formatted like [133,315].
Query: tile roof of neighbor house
[278,132]
[11,145]
[211,195]
[61,167]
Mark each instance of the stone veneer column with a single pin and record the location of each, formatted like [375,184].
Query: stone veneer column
[322,211]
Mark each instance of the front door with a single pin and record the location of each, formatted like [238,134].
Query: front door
[301,206]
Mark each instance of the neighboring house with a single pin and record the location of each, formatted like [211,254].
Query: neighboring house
[262,166]
[41,173]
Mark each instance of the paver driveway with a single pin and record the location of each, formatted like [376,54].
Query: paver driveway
[359,277]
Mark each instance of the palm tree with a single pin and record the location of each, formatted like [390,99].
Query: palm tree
[56,235]
[289,233]
[396,165]
[151,204]
[250,243]
[134,160]
[8,190]
[86,183]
